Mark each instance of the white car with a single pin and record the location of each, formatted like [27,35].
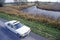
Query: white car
[18,28]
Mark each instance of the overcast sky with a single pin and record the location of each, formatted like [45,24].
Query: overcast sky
[36,0]
[45,0]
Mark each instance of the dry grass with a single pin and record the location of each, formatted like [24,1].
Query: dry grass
[49,7]
[20,7]
[44,30]
[36,17]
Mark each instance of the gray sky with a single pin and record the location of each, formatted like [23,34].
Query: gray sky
[36,0]
[45,0]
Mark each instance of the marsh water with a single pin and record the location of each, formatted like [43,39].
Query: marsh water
[36,10]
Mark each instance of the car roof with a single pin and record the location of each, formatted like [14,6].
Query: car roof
[13,22]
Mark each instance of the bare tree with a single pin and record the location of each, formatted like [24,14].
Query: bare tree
[17,2]
[20,1]
[1,2]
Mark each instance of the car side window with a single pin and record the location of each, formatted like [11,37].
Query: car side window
[10,25]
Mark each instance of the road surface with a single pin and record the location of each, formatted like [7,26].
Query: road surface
[6,34]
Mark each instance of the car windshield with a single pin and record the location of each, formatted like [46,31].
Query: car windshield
[18,25]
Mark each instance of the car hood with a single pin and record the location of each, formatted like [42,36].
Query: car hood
[23,30]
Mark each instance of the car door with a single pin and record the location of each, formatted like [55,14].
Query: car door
[11,27]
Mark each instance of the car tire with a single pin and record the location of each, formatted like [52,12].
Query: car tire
[18,35]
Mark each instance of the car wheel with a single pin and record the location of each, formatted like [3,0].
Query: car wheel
[18,35]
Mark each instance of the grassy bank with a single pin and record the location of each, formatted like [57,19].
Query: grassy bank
[49,6]
[38,17]
[37,27]
[19,7]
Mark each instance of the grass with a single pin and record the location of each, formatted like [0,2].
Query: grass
[30,16]
[19,7]
[37,27]
[49,6]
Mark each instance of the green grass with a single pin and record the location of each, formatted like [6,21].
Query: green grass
[37,27]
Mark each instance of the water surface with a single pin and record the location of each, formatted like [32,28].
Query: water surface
[36,10]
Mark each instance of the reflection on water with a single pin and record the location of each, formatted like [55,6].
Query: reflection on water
[36,10]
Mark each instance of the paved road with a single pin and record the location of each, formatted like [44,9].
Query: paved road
[6,34]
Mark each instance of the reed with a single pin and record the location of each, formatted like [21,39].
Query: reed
[30,16]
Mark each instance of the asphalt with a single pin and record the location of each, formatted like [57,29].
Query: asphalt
[6,34]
